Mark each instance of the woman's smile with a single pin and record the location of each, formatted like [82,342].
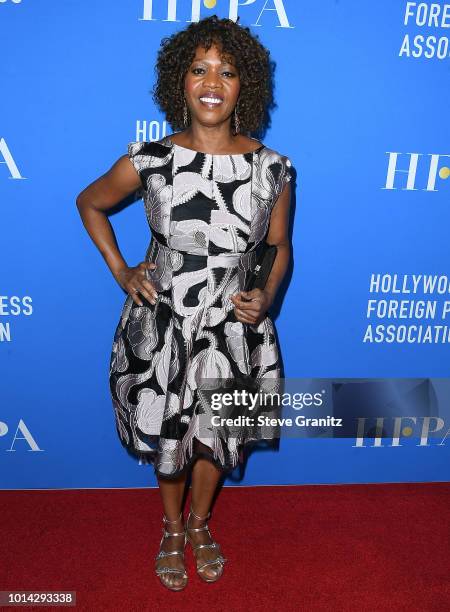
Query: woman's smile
[211,99]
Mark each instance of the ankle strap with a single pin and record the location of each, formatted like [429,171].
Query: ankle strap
[199,518]
[166,520]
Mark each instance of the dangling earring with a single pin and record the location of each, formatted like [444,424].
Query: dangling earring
[185,114]
[237,124]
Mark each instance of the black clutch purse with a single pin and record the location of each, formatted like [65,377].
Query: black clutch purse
[257,277]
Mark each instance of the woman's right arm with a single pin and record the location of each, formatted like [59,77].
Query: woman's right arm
[92,203]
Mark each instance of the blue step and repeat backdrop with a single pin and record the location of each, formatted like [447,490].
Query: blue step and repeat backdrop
[362,89]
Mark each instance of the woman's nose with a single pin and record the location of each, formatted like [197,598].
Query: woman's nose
[211,79]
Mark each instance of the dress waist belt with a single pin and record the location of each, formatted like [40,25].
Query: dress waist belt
[168,259]
[222,260]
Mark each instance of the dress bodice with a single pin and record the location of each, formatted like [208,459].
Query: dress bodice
[235,192]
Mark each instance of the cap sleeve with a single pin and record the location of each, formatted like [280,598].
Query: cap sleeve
[139,158]
[280,169]
[285,174]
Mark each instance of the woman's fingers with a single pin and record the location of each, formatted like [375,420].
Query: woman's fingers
[134,292]
[140,285]
[248,316]
[248,306]
[134,281]
[245,316]
[146,266]
[246,300]
[144,288]
[149,294]
[251,308]
[149,288]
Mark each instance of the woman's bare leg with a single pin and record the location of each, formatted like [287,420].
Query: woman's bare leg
[205,478]
[172,492]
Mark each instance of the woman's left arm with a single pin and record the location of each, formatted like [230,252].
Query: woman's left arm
[278,233]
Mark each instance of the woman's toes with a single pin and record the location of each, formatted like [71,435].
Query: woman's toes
[215,572]
[210,571]
[172,581]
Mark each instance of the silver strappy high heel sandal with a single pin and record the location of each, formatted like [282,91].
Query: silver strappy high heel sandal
[219,560]
[163,571]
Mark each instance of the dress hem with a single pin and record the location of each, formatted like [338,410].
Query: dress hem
[225,469]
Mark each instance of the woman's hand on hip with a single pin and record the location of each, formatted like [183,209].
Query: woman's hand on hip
[134,281]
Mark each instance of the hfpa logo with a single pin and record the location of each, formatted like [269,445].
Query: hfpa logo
[155,9]
[433,171]
[420,427]
[26,435]
[7,158]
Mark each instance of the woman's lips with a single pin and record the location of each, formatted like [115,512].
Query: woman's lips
[211,100]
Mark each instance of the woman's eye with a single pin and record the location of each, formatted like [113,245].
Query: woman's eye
[200,70]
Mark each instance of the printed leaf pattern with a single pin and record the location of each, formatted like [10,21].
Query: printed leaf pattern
[207,214]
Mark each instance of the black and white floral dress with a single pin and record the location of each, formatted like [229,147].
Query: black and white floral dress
[207,214]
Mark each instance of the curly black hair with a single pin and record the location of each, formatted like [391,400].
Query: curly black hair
[250,57]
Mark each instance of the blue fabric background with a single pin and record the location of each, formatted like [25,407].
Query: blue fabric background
[75,82]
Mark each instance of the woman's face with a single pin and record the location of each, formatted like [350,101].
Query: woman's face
[211,87]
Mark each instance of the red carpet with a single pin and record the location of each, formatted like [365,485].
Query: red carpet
[331,547]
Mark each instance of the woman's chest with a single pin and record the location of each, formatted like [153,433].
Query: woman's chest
[197,198]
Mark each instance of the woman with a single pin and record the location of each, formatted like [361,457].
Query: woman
[212,194]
